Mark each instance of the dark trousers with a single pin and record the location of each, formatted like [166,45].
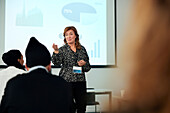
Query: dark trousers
[79,97]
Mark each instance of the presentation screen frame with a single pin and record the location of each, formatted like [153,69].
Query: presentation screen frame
[112,17]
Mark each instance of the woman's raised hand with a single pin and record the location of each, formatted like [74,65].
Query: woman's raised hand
[55,47]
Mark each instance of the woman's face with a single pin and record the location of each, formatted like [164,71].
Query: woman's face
[21,61]
[70,37]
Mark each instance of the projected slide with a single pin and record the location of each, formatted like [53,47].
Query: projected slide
[46,20]
[73,12]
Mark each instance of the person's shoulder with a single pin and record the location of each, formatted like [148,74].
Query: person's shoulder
[11,68]
[17,78]
[56,77]
[59,80]
[17,69]
[11,71]
[83,48]
[63,46]
[20,75]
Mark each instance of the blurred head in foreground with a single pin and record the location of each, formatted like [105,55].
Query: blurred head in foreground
[147,52]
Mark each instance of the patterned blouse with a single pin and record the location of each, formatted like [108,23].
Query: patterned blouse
[66,58]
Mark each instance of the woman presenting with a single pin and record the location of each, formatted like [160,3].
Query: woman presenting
[74,62]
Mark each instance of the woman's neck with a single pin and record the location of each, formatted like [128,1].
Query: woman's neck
[73,47]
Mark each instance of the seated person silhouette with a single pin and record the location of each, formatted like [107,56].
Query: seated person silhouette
[37,91]
[14,60]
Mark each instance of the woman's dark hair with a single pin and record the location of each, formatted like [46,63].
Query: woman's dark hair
[78,46]
[11,57]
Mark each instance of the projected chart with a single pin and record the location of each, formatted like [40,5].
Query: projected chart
[34,17]
[74,11]
[95,51]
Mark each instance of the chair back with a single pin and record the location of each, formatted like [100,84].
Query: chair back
[90,98]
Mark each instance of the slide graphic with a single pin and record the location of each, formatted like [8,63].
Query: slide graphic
[34,18]
[95,53]
[74,11]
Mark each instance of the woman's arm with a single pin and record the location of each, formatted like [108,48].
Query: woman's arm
[57,58]
[86,67]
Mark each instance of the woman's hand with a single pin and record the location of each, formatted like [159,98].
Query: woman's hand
[81,63]
[55,47]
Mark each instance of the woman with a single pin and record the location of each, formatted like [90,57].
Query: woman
[72,57]
[14,61]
